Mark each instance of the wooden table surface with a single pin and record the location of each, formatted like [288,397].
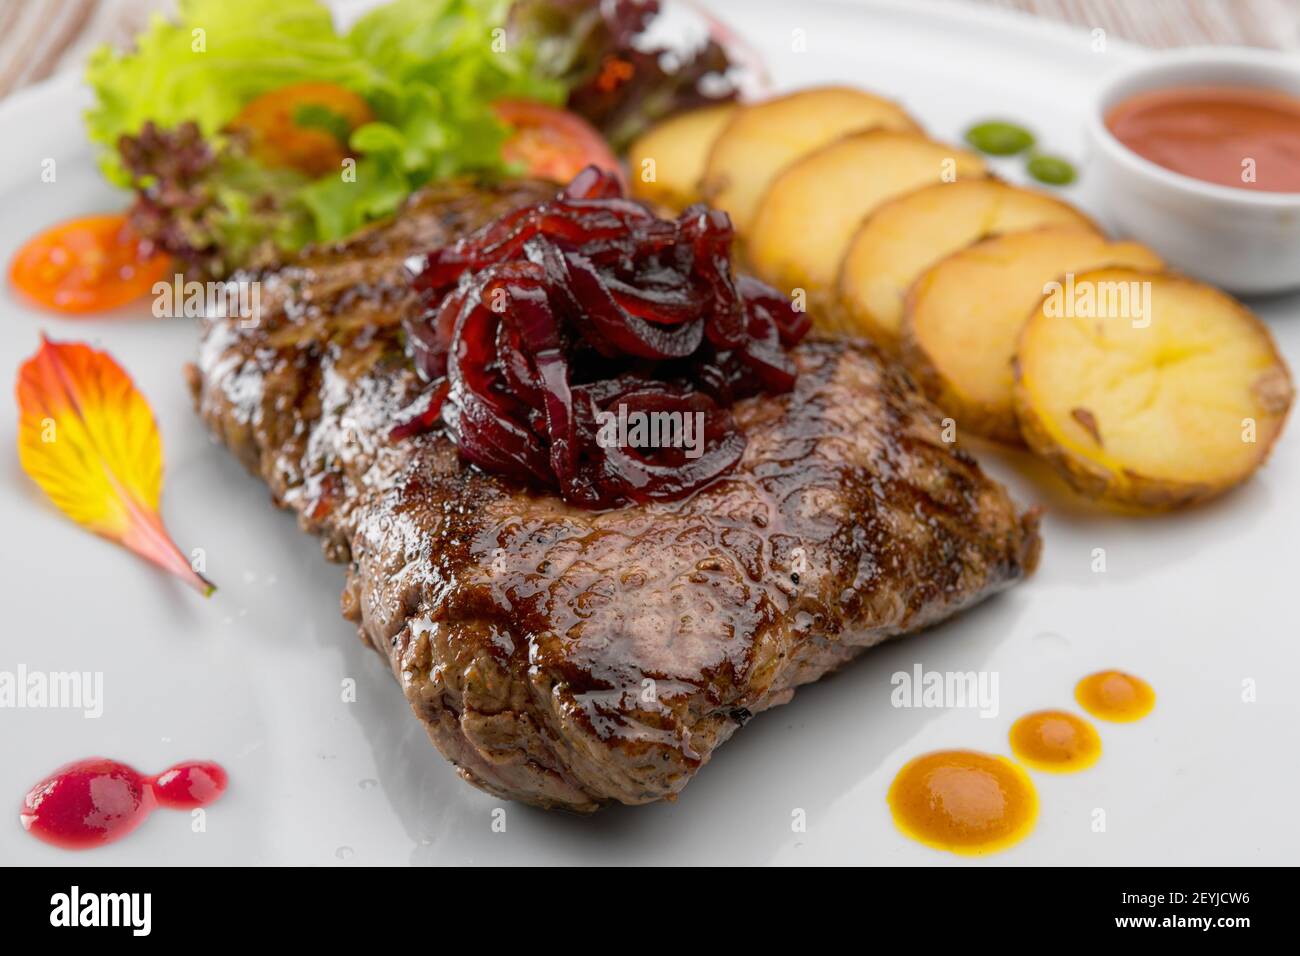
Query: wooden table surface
[41,37]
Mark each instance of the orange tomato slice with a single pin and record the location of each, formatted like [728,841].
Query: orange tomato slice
[303,126]
[551,143]
[91,264]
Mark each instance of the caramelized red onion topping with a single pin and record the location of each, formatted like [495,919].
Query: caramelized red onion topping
[541,327]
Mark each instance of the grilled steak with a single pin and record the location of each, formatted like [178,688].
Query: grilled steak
[569,658]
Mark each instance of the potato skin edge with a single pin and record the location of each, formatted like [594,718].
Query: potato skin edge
[655,194]
[982,420]
[999,424]
[823,298]
[713,183]
[850,318]
[1132,489]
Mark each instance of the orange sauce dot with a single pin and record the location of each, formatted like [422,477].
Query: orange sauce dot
[963,801]
[1115,696]
[1055,741]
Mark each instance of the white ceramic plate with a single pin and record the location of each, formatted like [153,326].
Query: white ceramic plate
[1196,603]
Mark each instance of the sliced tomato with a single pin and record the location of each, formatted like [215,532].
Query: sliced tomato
[304,126]
[551,143]
[91,264]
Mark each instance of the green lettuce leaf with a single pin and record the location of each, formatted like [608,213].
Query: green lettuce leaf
[205,66]
[429,70]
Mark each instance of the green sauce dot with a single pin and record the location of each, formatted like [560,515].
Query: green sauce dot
[998,138]
[1051,170]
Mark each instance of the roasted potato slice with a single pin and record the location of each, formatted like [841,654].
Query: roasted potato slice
[1165,392]
[809,214]
[907,235]
[762,139]
[667,161]
[963,316]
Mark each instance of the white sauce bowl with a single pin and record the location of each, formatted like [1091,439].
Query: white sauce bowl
[1245,241]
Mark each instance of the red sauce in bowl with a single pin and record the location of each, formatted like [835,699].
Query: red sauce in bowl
[1244,137]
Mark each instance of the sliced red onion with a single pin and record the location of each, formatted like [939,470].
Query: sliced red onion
[534,329]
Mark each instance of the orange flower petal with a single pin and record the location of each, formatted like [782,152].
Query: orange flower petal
[88,437]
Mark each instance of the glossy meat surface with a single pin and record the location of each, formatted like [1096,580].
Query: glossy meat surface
[570,658]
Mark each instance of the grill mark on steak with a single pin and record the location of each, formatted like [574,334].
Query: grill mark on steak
[525,633]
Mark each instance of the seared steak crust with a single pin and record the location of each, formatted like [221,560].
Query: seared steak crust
[569,658]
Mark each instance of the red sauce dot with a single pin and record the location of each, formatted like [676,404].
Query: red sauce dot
[189,785]
[97,801]
[86,804]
